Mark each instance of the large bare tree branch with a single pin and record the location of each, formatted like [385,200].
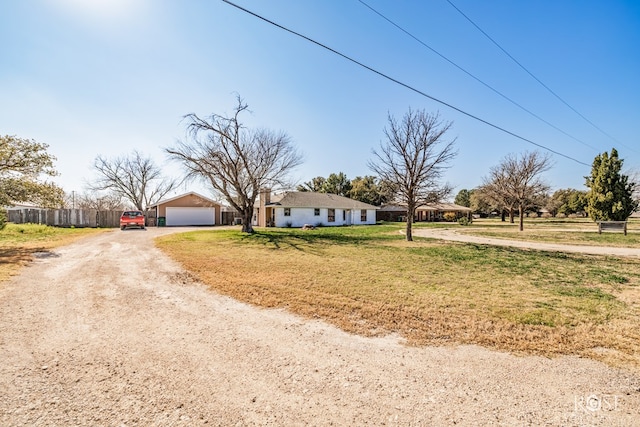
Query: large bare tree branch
[413,160]
[135,178]
[236,162]
[516,182]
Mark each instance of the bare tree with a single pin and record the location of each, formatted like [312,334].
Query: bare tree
[413,160]
[101,201]
[516,181]
[236,162]
[496,190]
[634,176]
[135,178]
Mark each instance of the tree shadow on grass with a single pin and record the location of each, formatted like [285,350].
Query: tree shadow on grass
[305,240]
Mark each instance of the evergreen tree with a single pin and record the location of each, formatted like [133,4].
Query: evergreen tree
[367,189]
[337,184]
[315,185]
[463,198]
[610,196]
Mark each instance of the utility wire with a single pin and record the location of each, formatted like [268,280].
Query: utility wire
[534,77]
[476,78]
[405,85]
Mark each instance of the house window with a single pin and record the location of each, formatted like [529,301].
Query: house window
[331,215]
[344,215]
[316,212]
[363,215]
[287,211]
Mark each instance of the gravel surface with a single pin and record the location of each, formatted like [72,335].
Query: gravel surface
[459,236]
[109,331]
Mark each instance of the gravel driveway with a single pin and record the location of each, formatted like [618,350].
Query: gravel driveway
[460,236]
[109,331]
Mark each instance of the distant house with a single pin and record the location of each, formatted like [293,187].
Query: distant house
[391,213]
[429,212]
[188,209]
[436,211]
[298,208]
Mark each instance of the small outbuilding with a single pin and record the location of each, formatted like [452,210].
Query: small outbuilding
[188,209]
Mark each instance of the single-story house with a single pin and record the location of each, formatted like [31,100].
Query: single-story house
[188,209]
[436,211]
[428,212]
[298,208]
[391,213]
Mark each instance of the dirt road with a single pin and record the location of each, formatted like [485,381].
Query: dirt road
[108,332]
[454,235]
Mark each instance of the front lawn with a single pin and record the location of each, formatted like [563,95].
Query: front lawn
[368,280]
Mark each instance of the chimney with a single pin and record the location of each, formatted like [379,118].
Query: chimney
[265,199]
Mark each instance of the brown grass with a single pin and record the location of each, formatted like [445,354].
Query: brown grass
[580,231]
[367,280]
[18,242]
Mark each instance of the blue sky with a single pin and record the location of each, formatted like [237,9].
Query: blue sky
[105,77]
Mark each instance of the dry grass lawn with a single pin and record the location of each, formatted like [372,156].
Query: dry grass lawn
[368,280]
[18,242]
[568,232]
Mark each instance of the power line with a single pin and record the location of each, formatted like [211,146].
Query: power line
[476,78]
[534,77]
[405,85]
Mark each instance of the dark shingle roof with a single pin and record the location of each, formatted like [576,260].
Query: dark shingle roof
[307,199]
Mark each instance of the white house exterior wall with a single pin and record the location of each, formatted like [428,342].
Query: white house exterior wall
[301,216]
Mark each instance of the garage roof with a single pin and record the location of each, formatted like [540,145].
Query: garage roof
[190,193]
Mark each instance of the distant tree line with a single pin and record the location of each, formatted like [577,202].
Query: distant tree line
[515,185]
[562,202]
[237,162]
[367,189]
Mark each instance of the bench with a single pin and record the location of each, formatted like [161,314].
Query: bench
[612,226]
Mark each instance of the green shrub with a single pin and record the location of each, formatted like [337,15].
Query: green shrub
[464,221]
[3,219]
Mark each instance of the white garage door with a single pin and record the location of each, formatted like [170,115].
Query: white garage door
[191,216]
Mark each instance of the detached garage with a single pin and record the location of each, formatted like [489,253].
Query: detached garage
[189,209]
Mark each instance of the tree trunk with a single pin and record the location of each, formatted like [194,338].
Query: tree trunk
[247,220]
[410,213]
[521,211]
[511,215]
[408,232]
[503,215]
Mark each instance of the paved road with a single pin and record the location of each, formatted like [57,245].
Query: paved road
[110,332]
[456,236]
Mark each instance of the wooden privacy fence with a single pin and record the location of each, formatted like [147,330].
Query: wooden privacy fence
[67,217]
